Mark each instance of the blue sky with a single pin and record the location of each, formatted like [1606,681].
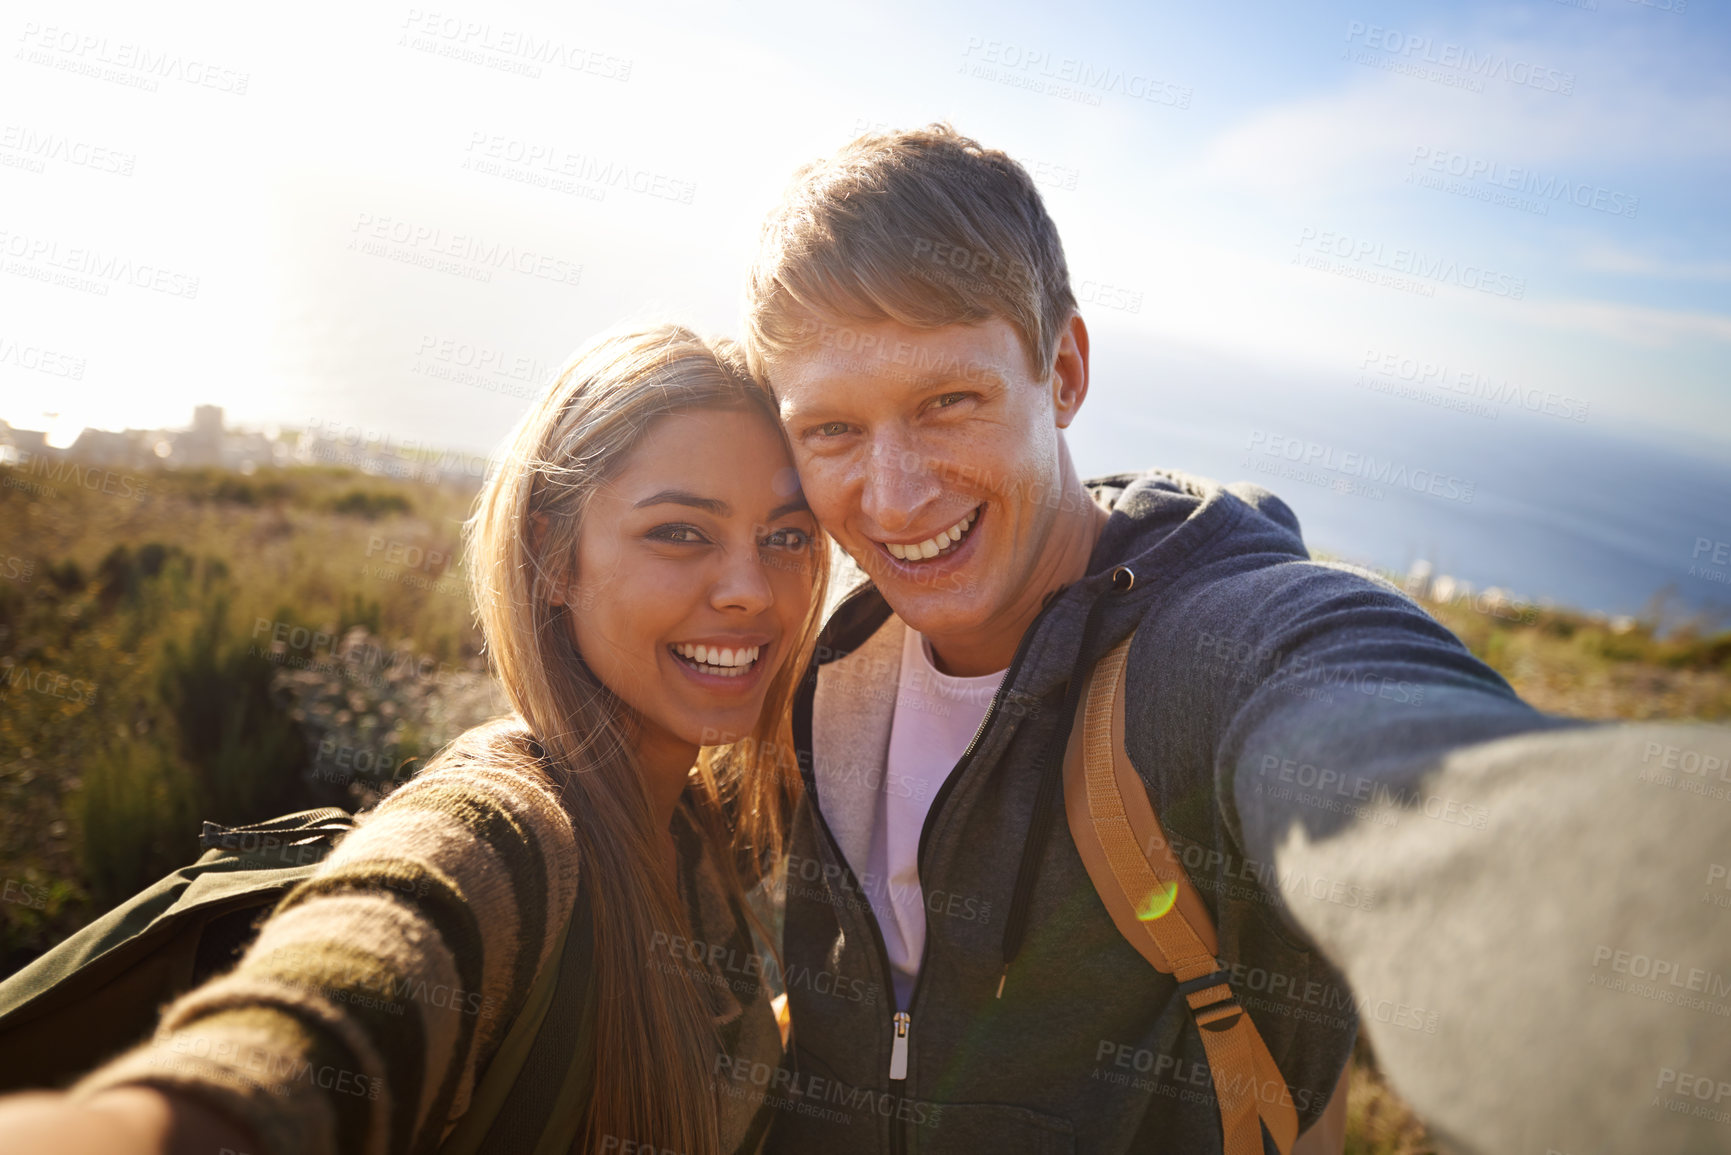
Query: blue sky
[1243,185]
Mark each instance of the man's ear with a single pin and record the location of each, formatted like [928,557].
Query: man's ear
[1070,372]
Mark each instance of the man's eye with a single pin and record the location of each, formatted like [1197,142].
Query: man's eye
[678,534]
[788,539]
[948,399]
[830,429]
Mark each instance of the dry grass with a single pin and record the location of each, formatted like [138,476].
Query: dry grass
[139,648]
[1377,1121]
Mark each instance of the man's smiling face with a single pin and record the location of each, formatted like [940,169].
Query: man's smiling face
[933,456]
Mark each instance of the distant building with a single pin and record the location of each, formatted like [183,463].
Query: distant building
[20,445]
[1446,589]
[1418,580]
[105,447]
[209,443]
[201,445]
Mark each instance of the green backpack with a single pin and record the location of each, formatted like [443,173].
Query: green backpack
[100,991]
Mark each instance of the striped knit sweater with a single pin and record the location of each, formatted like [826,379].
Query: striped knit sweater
[359,1019]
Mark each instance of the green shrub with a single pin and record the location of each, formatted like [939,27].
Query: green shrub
[151,605]
[358,611]
[138,818]
[235,492]
[370,505]
[246,754]
[122,573]
[66,576]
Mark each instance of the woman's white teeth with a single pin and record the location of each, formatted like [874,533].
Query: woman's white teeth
[933,546]
[720,659]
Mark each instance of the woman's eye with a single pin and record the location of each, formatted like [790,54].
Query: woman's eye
[788,539]
[678,534]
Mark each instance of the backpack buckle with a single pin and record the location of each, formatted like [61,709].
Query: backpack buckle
[1219,1014]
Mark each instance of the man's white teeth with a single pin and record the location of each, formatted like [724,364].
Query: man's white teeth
[720,659]
[933,546]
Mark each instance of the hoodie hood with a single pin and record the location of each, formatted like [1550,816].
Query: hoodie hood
[1161,522]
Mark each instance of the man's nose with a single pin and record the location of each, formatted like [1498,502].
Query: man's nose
[898,487]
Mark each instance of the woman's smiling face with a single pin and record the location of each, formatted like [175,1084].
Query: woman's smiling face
[694,574]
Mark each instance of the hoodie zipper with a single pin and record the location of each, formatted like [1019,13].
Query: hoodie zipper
[901,1021]
[899,1049]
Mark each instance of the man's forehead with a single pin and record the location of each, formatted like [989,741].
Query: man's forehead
[889,358]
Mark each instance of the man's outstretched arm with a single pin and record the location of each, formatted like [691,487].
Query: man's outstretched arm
[1543,968]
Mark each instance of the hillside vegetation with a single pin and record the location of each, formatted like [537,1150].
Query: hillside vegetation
[202,645]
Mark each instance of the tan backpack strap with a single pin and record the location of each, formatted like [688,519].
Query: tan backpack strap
[1157,909]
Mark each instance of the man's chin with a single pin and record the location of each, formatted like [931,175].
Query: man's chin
[933,613]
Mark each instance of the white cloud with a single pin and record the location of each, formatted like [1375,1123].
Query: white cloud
[1369,128]
[1614,259]
[1637,324]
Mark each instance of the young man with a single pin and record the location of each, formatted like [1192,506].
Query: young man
[1379,829]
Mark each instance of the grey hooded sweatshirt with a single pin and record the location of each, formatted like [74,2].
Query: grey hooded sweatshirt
[1520,909]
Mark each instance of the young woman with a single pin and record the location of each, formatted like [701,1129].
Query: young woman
[648,580]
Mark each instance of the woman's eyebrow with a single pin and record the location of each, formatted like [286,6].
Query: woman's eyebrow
[797,505]
[681,497]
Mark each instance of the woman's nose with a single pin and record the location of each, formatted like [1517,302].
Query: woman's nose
[743,583]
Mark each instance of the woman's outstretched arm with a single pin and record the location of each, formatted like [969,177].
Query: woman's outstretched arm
[136,1120]
[359,1018]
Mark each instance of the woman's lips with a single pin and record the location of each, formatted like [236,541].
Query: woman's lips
[723,678]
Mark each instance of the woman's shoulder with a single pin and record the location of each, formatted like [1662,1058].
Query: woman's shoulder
[499,752]
[495,781]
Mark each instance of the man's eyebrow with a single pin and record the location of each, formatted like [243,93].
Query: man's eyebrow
[972,375]
[977,375]
[797,505]
[680,497]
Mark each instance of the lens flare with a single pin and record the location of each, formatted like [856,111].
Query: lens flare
[1158,903]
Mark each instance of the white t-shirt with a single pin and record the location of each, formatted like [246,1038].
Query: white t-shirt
[935,720]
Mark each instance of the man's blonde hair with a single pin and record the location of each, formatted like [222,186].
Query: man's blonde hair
[921,226]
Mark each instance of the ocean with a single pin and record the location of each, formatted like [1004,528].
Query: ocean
[1549,508]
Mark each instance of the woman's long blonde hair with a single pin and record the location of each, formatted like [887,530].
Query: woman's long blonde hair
[653,1035]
